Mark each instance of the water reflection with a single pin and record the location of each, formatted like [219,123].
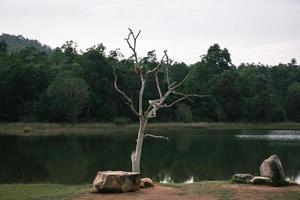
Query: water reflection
[166,179]
[190,180]
[297,179]
[278,137]
[190,155]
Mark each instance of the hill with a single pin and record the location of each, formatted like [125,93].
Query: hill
[17,42]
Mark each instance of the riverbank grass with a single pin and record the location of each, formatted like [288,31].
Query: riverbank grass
[40,191]
[292,195]
[221,190]
[22,128]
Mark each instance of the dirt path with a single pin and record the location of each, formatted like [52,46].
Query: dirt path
[155,193]
[259,192]
[223,191]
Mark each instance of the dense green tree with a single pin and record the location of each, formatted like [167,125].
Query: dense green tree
[204,75]
[70,51]
[213,63]
[228,93]
[25,77]
[66,97]
[3,46]
[97,72]
[293,102]
[30,70]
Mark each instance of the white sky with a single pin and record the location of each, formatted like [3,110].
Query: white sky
[266,31]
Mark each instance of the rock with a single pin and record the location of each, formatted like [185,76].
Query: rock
[27,130]
[260,180]
[241,178]
[272,168]
[116,181]
[146,182]
[289,182]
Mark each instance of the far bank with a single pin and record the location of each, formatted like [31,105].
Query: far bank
[23,128]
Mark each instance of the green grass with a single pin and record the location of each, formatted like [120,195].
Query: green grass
[68,192]
[291,195]
[22,128]
[205,187]
[40,191]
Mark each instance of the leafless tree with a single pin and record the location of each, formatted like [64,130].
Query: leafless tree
[154,105]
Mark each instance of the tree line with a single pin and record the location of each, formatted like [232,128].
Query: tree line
[67,85]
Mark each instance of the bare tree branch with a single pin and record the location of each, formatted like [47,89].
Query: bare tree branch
[164,60]
[160,103]
[156,136]
[167,67]
[182,94]
[141,97]
[138,68]
[148,110]
[129,100]
[155,104]
[182,98]
[183,80]
[133,46]
[159,65]
[156,70]
[157,84]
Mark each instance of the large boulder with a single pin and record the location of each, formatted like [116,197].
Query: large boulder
[116,181]
[242,178]
[146,182]
[272,168]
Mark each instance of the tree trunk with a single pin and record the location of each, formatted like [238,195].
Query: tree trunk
[136,155]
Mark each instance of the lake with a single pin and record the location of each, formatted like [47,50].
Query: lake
[189,155]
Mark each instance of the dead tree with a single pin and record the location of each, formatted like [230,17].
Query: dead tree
[154,105]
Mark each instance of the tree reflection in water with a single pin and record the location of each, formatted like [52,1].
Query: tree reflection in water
[190,155]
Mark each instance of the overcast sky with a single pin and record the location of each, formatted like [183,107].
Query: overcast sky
[266,31]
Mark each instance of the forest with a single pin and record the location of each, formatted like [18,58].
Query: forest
[40,84]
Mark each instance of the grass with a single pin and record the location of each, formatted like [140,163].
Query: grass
[23,128]
[68,192]
[291,195]
[40,191]
[205,187]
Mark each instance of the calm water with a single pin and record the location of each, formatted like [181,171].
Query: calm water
[189,155]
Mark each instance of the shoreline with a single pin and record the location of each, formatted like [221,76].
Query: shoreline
[23,128]
[222,190]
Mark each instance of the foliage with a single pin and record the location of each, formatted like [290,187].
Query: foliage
[293,101]
[34,86]
[66,97]
[18,42]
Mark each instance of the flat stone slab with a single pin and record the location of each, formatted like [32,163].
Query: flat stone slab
[260,180]
[116,182]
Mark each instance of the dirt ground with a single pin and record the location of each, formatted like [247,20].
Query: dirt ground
[155,193]
[221,191]
[259,192]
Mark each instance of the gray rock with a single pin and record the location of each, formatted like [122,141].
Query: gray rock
[241,178]
[116,181]
[272,168]
[146,182]
[260,180]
